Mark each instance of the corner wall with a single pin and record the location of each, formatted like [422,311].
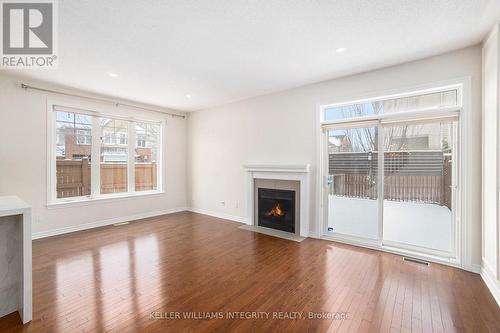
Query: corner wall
[490,182]
[281,128]
[23,165]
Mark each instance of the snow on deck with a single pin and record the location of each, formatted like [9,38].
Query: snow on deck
[420,224]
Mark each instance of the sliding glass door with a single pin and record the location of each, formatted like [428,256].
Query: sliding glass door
[352,182]
[419,186]
[390,172]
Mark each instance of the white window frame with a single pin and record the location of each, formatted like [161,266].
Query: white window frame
[97,111]
[463,233]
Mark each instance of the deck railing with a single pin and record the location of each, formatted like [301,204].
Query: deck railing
[419,176]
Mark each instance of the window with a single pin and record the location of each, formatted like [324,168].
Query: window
[86,164]
[83,137]
[141,141]
[434,100]
[146,156]
[123,138]
[73,169]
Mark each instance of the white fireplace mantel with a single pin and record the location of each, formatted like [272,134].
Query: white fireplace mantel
[298,172]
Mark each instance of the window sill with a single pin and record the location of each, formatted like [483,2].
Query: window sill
[85,201]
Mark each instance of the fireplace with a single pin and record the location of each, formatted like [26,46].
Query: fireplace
[276,209]
[287,185]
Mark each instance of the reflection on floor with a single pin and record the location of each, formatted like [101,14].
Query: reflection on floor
[140,277]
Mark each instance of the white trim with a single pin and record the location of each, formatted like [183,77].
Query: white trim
[464,213]
[102,223]
[314,234]
[428,113]
[51,154]
[85,201]
[380,182]
[474,268]
[488,276]
[131,157]
[161,170]
[419,249]
[229,217]
[305,168]
[95,170]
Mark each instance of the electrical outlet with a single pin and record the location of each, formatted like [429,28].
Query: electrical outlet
[223,203]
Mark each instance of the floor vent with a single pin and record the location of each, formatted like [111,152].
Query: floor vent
[120,224]
[417,261]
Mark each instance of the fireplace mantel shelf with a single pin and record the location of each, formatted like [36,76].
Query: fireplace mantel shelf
[302,168]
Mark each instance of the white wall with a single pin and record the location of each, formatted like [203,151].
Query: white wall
[281,128]
[491,99]
[23,163]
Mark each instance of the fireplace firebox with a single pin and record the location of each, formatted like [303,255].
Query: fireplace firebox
[276,209]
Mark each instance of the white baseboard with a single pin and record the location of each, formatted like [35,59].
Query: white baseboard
[65,230]
[491,281]
[474,268]
[314,234]
[220,215]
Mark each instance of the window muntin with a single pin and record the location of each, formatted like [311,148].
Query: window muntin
[75,145]
[441,99]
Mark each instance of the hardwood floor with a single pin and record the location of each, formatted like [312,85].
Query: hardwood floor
[119,278]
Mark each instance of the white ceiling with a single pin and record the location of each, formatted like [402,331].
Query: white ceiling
[226,50]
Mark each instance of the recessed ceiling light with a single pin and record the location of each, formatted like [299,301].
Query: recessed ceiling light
[340,50]
[188,96]
[112,74]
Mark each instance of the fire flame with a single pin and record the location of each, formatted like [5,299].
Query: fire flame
[276,211]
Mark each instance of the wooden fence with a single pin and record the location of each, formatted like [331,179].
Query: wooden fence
[409,176]
[73,177]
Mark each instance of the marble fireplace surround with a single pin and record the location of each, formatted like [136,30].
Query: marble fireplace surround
[294,177]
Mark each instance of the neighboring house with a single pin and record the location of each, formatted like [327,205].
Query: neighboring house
[338,143]
[77,143]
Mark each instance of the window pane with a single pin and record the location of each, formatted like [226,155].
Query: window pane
[352,182]
[73,152]
[114,156]
[146,156]
[417,185]
[403,104]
